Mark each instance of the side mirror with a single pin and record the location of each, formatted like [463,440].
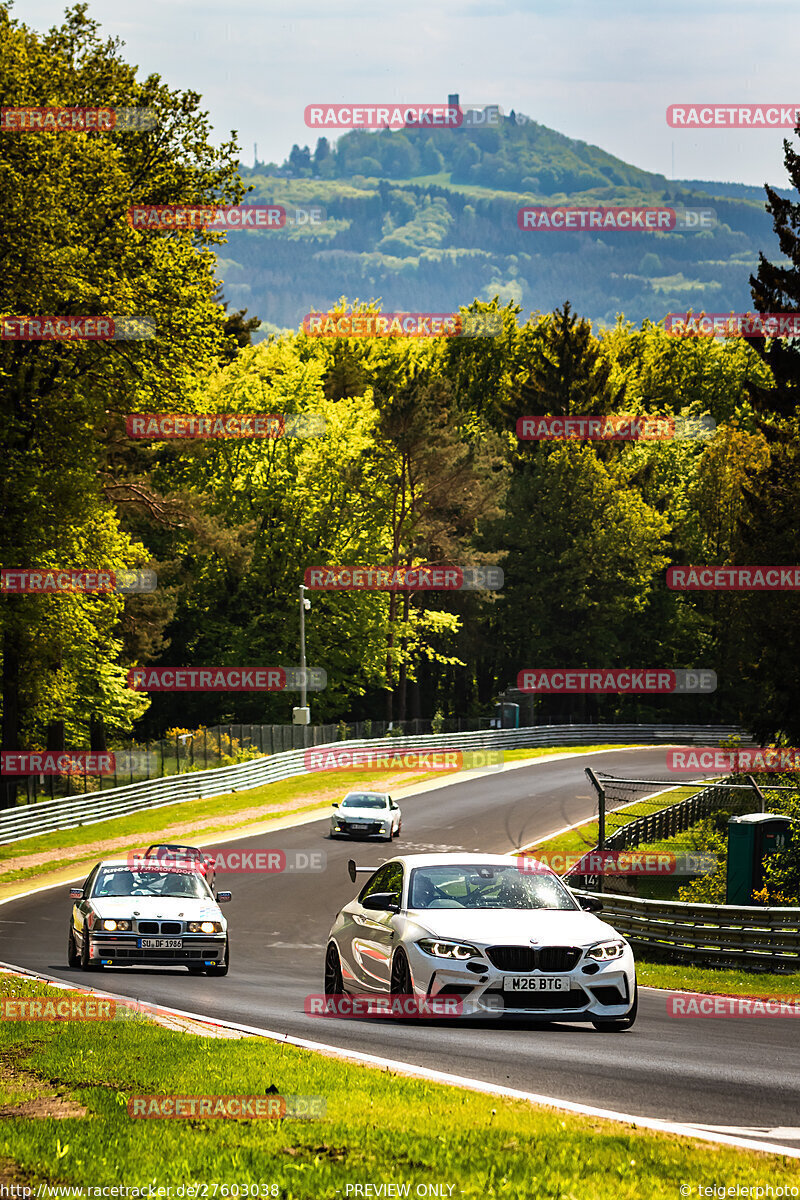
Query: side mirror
[381,902]
[335,804]
[224,897]
[590,903]
[76,893]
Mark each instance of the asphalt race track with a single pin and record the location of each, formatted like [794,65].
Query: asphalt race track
[736,1074]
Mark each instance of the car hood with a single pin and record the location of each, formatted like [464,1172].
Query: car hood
[362,814]
[513,927]
[170,908]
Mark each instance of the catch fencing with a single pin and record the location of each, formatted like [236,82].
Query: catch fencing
[28,820]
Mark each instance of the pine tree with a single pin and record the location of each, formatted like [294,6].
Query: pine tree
[777,289]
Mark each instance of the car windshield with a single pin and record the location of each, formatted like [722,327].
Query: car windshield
[475,885]
[364,802]
[123,881]
[173,852]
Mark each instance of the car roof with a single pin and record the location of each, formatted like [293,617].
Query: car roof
[364,792]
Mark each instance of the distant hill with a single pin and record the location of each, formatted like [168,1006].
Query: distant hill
[427,220]
[738,190]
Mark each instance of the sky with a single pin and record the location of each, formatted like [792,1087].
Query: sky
[601,71]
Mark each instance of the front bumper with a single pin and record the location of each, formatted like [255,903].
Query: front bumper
[368,829]
[607,992]
[121,950]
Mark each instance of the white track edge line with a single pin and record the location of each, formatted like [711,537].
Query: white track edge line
[475,1085]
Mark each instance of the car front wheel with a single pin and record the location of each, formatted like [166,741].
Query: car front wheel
[73,957]
[88,964]
[618,1024]
[401,983]
[334,984]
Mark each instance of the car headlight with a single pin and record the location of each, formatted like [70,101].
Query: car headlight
[110,926]
[459,950]
[606,950]
[205,927]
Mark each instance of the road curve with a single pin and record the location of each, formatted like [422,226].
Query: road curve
[735,1074]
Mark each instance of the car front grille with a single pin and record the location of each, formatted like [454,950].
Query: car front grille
[554,959]
[162,927]
[367,827]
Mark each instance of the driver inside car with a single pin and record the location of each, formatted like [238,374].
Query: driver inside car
[423,892]
[118,884]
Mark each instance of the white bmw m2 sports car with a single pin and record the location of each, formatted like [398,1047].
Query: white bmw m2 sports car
[480,928]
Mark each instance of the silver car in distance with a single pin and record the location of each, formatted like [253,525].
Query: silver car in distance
[366,814]
[502,937]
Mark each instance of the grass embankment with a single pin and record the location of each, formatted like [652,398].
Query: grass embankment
[64,1119]
[35,858]
[717,981]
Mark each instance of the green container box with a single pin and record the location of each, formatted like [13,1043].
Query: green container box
[750,839]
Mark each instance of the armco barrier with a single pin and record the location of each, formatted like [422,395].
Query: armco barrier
[713,934]
[31,819]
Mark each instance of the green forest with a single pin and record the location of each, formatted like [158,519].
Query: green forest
[433,213]
[420,462]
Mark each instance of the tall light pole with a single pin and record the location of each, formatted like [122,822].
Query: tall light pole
[302,715]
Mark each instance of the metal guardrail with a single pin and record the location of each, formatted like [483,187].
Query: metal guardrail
[760,938]
[31,819]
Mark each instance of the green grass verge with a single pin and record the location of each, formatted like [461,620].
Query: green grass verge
[296,797]
[717,981]
[379,1127]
